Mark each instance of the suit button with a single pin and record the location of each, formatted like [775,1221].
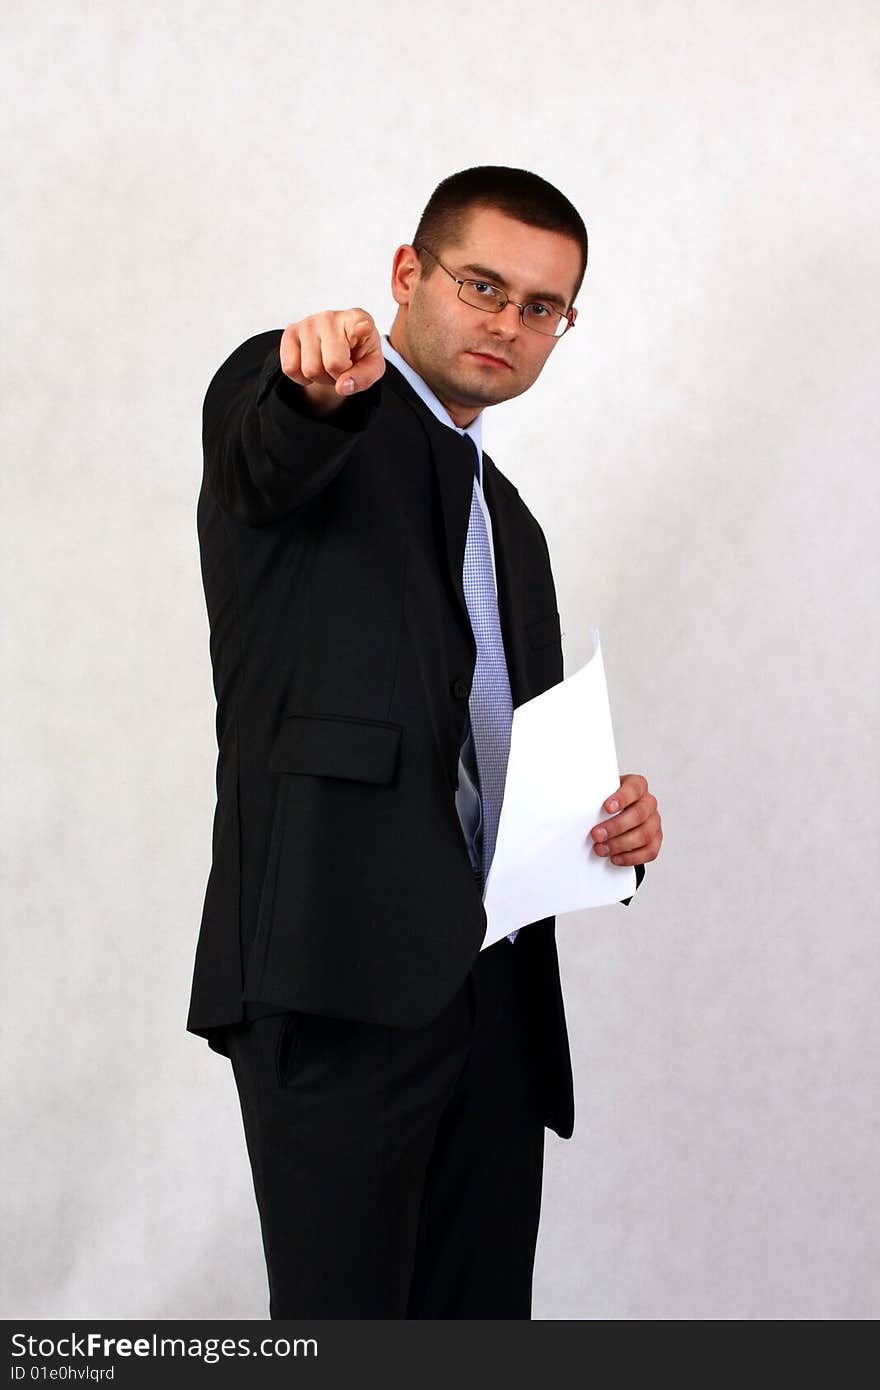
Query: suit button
[461,689]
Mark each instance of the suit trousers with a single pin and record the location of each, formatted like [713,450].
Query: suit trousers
[398,1171]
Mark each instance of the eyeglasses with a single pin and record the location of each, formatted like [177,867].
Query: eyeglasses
[479,293]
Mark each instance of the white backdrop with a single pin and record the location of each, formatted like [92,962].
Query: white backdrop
[701,453]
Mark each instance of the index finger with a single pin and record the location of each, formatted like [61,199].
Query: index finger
[357,327]
[631,788]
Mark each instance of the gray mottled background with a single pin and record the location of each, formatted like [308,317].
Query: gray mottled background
[702,454]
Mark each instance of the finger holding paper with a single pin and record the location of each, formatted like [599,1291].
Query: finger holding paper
[634,835]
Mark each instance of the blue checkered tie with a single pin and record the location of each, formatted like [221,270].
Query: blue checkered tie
[490,704]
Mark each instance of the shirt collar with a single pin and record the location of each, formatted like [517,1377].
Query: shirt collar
[474,430]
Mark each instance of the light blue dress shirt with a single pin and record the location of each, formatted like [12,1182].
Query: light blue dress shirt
[467,796]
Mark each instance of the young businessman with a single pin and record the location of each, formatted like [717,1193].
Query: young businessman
[380,600]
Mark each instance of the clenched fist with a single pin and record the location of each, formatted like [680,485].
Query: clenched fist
[332,355]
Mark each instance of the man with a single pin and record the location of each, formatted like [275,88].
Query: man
[380,600]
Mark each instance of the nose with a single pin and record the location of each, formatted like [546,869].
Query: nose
[508,323]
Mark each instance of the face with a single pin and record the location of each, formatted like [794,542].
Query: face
[468,357]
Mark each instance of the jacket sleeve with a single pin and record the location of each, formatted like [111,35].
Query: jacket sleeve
[265,453]
[640,874]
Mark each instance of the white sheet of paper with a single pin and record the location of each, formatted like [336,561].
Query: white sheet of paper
[562,766]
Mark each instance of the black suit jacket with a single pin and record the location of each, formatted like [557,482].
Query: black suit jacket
[332,553]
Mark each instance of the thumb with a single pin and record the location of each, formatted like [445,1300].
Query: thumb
[367,371]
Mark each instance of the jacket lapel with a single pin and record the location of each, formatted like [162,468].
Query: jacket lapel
[453,466]
[454,473]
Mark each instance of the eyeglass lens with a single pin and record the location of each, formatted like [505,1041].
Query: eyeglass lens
[540,317]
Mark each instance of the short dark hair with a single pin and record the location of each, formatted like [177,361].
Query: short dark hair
[516,192]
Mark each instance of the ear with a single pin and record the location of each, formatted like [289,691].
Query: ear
[406,272]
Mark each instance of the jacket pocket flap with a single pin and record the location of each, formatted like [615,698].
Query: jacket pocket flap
[544,631]
[329,746]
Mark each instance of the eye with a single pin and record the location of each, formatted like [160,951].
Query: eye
[540,311]
[484,289]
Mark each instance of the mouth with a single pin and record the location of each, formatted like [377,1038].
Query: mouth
[488,357]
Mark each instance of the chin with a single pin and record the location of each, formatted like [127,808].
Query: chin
[485,388]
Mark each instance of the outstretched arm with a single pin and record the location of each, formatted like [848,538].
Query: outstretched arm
[279,418]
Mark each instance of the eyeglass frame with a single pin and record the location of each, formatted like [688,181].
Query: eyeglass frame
[569,316]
